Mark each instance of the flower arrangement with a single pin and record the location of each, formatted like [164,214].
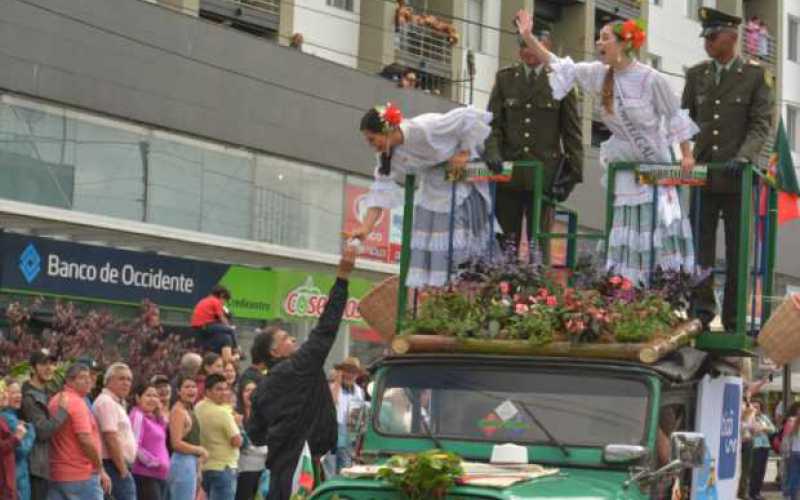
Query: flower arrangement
[512,301]
[632,33]
[404,14]
[424,475]
[391,116]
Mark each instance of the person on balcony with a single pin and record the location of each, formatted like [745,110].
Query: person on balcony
[732,102]
[427,146]
[529,124]
[636,101]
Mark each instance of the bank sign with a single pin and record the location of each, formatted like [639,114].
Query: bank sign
[53,267]
[73,270]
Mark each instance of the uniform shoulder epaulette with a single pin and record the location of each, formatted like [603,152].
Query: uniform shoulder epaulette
[701,66]
[506,69]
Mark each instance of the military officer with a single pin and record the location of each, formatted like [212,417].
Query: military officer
[529,124]
[731,101]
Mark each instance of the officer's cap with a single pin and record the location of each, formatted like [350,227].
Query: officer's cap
[715,21]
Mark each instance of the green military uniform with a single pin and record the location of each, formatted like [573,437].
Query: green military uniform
[529,124]
[732,105]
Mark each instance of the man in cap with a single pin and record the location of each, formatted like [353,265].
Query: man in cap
[95,370]
[347,395]
[529,124]
[36,393]
[731,101]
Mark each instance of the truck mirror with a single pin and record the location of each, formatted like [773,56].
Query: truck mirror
[623,453]
[688,448]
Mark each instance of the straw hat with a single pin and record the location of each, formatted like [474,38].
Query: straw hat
[351,364]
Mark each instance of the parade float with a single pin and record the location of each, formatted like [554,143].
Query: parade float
[522,379]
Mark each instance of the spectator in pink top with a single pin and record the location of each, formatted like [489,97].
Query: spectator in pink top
[151,468]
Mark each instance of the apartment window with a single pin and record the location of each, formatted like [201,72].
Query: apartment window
[474,25]
[792,129]
[341,4]
[794,39]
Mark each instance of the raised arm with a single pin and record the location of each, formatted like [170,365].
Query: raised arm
[525,28]
[311,355]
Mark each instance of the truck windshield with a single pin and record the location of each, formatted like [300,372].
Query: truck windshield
[488,403]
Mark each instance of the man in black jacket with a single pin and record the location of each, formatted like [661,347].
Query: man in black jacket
[293,404]
[35,397]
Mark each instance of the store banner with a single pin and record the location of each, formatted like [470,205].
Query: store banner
[86,272]
[304,295]
[63,268]
[376,246]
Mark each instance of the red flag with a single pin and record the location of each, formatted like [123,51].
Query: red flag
[788,207]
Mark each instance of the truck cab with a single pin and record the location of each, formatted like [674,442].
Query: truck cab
[605,425]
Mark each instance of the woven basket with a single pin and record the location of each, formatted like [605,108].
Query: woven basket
[780,337]
[379,307]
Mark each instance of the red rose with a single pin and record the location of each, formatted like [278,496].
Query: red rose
[615,280]
[392,115]
[638,39]
[552,301]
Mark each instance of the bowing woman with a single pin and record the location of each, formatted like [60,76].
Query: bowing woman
[426,146]
[646,120]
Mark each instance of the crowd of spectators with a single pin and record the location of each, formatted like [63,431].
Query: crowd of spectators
[141,436]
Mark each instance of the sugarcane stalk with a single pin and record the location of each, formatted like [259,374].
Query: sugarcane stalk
[680,336]
[648,352]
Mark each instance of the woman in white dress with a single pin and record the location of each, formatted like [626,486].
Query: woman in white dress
[645,120]
[426,146]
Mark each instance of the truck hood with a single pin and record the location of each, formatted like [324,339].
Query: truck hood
[569,484]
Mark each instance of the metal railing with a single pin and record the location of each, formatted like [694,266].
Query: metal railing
[758,213]
[760,47]
[424,49]
[263,14]
[629,9]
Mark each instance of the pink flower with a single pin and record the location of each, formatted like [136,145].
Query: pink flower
[521,309]
[615,280]
[505,287]
[543,292]
[626,284]
[552,301]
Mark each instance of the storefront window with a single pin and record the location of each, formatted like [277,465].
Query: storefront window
[54,156]
[298,205]
[200,188]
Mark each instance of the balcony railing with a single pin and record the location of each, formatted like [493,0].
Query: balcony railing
[255,16]
[627,9]
[424,49]
[760,47]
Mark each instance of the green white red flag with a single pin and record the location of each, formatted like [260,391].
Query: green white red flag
[303,482]
[782,175]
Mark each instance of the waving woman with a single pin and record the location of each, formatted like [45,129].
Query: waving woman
[645,120]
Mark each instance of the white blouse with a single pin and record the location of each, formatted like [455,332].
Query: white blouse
[429,140]
[650,104]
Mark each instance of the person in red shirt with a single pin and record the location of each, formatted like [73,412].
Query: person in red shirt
[210,320]
[76,469]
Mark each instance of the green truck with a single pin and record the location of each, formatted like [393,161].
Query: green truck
[612,429]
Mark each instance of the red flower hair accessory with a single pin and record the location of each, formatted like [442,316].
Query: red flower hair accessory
[391,116]
[632,33]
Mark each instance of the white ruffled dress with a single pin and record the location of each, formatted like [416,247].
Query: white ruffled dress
[655,112]
[430,140]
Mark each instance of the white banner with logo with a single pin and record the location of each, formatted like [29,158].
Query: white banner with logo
[719,406]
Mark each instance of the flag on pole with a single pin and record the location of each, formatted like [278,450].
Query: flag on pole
[303,481]
[782,175]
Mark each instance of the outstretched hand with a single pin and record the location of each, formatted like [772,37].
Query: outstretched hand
[347,262]
[524,22]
